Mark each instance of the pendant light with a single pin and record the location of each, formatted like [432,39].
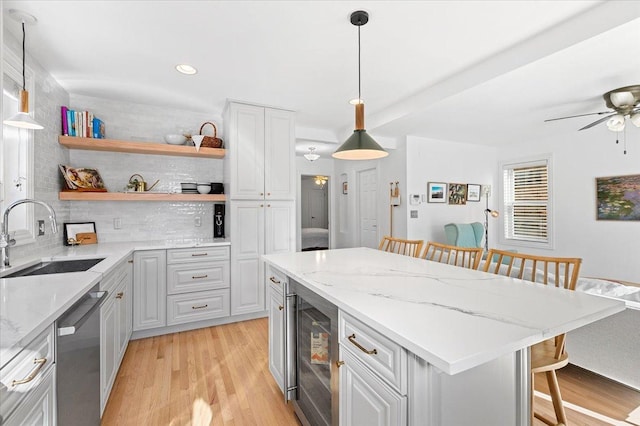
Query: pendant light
[22,119]
[359,146]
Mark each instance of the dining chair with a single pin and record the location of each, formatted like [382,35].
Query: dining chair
[549,355]
[401,246]
[467,257]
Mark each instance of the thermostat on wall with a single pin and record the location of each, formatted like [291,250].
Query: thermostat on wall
[414,199]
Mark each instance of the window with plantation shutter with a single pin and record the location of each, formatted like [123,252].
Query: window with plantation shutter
[527,202]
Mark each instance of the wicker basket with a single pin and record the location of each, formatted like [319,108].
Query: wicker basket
[211,141]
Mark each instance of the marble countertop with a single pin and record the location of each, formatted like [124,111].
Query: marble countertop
[28,305]
[453,318]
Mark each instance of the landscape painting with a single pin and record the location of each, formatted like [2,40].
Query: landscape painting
[618,197]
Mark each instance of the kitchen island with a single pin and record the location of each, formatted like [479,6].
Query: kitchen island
[466,333]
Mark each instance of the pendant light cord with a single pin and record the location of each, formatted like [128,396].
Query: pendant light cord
[24,80]
[359,76]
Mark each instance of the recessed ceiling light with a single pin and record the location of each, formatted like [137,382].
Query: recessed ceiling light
[186,69]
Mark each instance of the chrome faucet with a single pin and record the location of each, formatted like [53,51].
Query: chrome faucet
[5,239]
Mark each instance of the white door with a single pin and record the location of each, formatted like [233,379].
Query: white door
[367,208]
[314,208]
[247,270]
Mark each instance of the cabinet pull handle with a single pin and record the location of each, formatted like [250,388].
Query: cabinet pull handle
[273,280]
[339,364]
[119,295]
[352,339]
[40,363]
[199,254]
[199,307]
[130,261]
[280,307]
[198,277]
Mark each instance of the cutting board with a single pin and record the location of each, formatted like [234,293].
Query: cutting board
[87,238]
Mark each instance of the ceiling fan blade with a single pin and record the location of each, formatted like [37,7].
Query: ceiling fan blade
[581,115]
[588,126]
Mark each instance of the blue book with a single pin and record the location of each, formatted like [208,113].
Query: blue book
[98,129]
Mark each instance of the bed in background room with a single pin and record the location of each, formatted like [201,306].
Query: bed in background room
[315,239]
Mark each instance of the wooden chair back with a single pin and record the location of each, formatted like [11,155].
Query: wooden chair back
[467,257]
[549,355]
[401,246]
[557,271]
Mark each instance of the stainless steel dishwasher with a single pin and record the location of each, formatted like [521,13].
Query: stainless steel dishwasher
[78,361]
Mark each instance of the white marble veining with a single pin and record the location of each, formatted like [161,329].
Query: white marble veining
[454,318]
[30,304]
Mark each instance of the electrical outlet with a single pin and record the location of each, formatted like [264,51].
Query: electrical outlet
[40,227]
[414,214]
[198,221]
[117,223]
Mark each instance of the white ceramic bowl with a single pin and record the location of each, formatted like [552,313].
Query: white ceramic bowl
[204,188]
[175,139]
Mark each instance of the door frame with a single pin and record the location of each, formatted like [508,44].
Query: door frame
[330,212]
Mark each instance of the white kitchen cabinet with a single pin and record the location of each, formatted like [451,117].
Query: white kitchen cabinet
[115,325]
[367,400]
[275,286]
[257,228]
[198,281]
[39,408]
[149,289]
[261,152]
[28,392]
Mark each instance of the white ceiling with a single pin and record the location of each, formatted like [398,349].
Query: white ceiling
[470,71]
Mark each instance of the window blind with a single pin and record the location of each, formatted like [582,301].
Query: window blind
[526,201]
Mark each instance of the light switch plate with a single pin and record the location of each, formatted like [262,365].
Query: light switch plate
[117,223]
[40,227]
[198,221]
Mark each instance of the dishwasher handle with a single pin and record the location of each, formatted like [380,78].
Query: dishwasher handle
[76,316]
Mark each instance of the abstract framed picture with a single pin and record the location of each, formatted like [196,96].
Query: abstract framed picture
[473,192]
[458,193]
[436,192]
[618,198]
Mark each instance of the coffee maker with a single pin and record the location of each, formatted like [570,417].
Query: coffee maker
[218,221]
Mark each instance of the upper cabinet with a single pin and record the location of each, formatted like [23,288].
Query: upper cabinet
[261,152]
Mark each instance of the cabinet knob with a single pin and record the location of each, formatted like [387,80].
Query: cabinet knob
[339,364]
[261,205]
[268,193]
[120,295]
[268,205]
[262,193]
[280,307]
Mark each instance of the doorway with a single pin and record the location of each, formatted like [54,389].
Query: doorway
[368,208]
[314,212]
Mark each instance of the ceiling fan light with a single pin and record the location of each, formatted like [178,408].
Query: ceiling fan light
[621,99]
[635,119]
[616,123]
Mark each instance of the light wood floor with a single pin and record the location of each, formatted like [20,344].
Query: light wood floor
[226,367]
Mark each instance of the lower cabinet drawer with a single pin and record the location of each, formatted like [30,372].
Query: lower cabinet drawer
[24,373]
[202,305]
[183,278]
[39,408]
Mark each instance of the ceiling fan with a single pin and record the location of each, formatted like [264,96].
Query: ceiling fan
[624,102]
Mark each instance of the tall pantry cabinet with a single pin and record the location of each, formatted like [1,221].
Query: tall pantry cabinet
[261,188]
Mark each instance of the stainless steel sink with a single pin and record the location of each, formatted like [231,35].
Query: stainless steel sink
[56,267]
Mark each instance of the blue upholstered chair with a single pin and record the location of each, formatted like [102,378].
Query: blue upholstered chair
[464,234]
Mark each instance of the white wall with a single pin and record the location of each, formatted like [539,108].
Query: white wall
[609,249]
[145,220]
[431,160]
[45,101]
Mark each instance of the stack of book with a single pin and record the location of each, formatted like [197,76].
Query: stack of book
[81,124]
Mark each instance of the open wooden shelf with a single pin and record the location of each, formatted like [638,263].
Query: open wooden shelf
[137,196]
[114,145]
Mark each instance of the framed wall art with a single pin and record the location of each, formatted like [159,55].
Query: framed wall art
[79,233]
[618,198]
[458,193]
[436,192]
[473,192]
